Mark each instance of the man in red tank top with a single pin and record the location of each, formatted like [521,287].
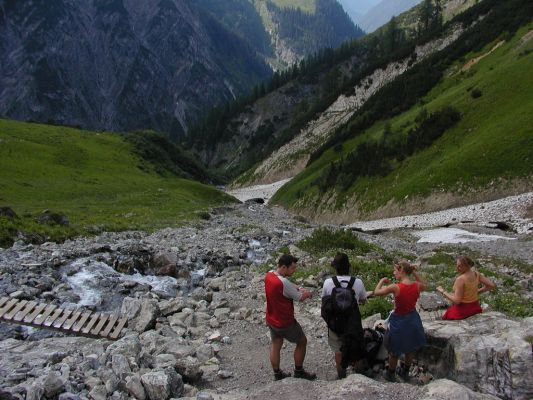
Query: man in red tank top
[280,295]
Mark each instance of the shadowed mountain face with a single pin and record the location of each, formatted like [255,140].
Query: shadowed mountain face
[118,64]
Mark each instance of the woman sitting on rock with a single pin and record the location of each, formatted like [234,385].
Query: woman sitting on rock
[406,333]
[466,290]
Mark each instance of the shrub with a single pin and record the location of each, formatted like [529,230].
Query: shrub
[510,303]
[475,93]
[323,240]
[381,305]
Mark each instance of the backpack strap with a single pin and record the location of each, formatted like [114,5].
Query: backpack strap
[338,284]
[352,282]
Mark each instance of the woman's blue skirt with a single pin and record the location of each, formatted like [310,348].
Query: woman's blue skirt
[406,333]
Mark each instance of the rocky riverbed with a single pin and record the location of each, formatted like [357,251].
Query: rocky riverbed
[195,300]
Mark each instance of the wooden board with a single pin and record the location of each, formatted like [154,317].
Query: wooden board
[15,310]
[50,316]
[58,322]
[29,307]
[81,321]
[30,317]
[8,306]
[91,323]
[109,326]
[47,311]
[3,301]
[69,322]
[49,321]
[99,325]
[118,329]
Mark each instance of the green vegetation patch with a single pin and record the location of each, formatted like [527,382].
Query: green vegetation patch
[97,180]
[325,240]
[493,139]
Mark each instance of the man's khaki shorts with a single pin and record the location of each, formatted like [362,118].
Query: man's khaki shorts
[292,333]
[334,341]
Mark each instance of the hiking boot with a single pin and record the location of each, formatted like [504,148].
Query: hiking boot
[390,375]
[281,375]
[303,374]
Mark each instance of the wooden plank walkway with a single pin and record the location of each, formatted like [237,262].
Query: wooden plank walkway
[49,316]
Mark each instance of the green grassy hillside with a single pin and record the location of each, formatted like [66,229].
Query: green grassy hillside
[96,180]
[493,140]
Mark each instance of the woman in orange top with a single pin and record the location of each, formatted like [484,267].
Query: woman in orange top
[466,290]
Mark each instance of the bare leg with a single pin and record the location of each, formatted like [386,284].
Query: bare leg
[338,361]
[409,358]
[393,361]
[299,352]
[275,349]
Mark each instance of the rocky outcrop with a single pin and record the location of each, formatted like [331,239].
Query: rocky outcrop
[357,386]
[487,352]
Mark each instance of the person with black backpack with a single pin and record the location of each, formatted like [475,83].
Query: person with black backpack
[341,295]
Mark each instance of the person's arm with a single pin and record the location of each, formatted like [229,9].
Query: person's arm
[383,291]
[291,291]
[305,293]
[422,284]
[457,295]
[359,288]
[487,284]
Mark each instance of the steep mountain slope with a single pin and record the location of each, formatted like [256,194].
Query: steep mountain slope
[303,107]
[284,32]
[321,112]
[154,64]
[120,65]
[481,151]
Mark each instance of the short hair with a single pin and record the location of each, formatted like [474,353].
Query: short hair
[341,263]
[286,260]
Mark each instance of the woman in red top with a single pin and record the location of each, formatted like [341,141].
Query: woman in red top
[406,333]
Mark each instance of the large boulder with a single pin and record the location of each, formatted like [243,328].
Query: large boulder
[162,385]
[488,353]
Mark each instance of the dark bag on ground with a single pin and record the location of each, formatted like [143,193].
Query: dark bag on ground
[341,312]
[373,339]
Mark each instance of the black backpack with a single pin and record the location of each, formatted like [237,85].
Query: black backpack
[340,308]
[341,312]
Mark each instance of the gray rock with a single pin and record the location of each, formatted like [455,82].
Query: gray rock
[449,390]
[35,391]
[53,384]
[99,392]
[120,364]
[68,396]
[161,385]
[147,316]
[162,361]
[135,388]
[189,368]
[130,307]
[204,396]
[171,306]
[429,301]
[129,346]
[487,353]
